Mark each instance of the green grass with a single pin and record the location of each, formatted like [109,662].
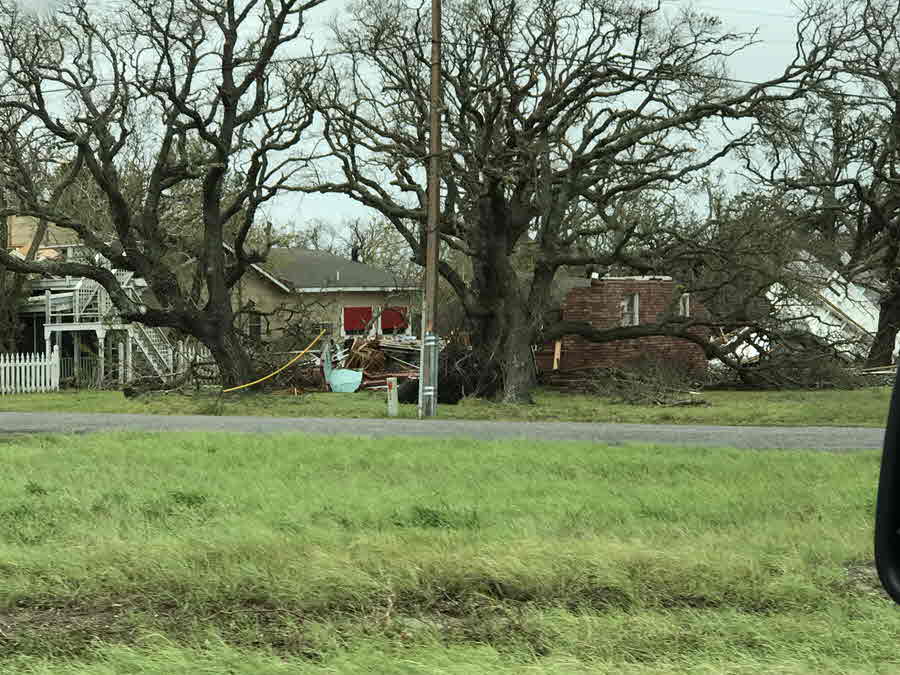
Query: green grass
[861,407]
[180,553]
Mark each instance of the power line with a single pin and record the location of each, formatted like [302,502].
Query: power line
[730,80]
[728,10]
[558,58]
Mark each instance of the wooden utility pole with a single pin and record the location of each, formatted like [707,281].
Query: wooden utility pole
[428,374]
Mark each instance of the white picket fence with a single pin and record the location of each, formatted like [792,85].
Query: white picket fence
[29,373]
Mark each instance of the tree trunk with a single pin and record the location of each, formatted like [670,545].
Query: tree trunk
[8,314]
[502,343]
[235,366]
[503,340]
[517,365]
[13,289]
[888,325]
[504,328]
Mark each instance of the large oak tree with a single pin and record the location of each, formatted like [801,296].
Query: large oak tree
[191,96]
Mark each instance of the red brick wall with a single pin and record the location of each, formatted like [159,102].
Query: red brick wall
[601,305]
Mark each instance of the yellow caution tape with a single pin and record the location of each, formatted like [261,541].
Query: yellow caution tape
[292,361]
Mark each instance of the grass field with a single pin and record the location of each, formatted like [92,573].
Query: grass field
[860,407]
[135,553]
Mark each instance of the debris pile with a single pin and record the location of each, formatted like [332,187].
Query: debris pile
[640,385]
[380,358]
[387,356]
[573,381]
[377,358]
[365,355]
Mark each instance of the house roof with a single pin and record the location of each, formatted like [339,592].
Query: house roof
[302,269]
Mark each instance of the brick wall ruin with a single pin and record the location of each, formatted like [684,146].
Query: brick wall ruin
[601,305]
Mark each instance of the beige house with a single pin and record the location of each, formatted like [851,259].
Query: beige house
[295,289]
[338,295]
[22,229]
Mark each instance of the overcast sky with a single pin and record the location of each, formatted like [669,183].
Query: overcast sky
[774,19]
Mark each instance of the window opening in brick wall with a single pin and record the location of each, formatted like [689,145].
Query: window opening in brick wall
[631,309]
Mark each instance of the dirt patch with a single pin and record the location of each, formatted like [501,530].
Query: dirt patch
[39,630]
[862,578]
[483,610]
[13,438]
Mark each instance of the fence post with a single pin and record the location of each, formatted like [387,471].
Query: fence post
[393,402]
[101,352]
[129,357]
[54,369]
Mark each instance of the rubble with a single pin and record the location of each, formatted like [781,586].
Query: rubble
[378,359]
[382,357]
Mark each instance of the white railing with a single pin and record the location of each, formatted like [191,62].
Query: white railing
[88,368]
[29,373]
[188,353]
[91,302]
[82,298]
[155,347]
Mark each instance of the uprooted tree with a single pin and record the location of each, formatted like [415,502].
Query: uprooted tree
[762,288]
[145,104]
[838,158]
[559,116]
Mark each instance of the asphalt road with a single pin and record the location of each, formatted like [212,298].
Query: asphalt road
[816,438]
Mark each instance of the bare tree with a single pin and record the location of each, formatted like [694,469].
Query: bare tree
[557,115]
[838,159]
[192,92]
[372,241]
[35,158]
[317,235]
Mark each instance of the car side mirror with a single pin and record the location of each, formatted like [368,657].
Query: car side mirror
[887,505]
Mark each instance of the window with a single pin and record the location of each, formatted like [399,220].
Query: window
[393,320]
[684,305]
[327,327]
[255,326]
[357,320]
[631,310]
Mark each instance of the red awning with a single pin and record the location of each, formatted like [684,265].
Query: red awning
[357,318]
[393,319]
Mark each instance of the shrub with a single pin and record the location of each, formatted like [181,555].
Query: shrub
[646,380]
